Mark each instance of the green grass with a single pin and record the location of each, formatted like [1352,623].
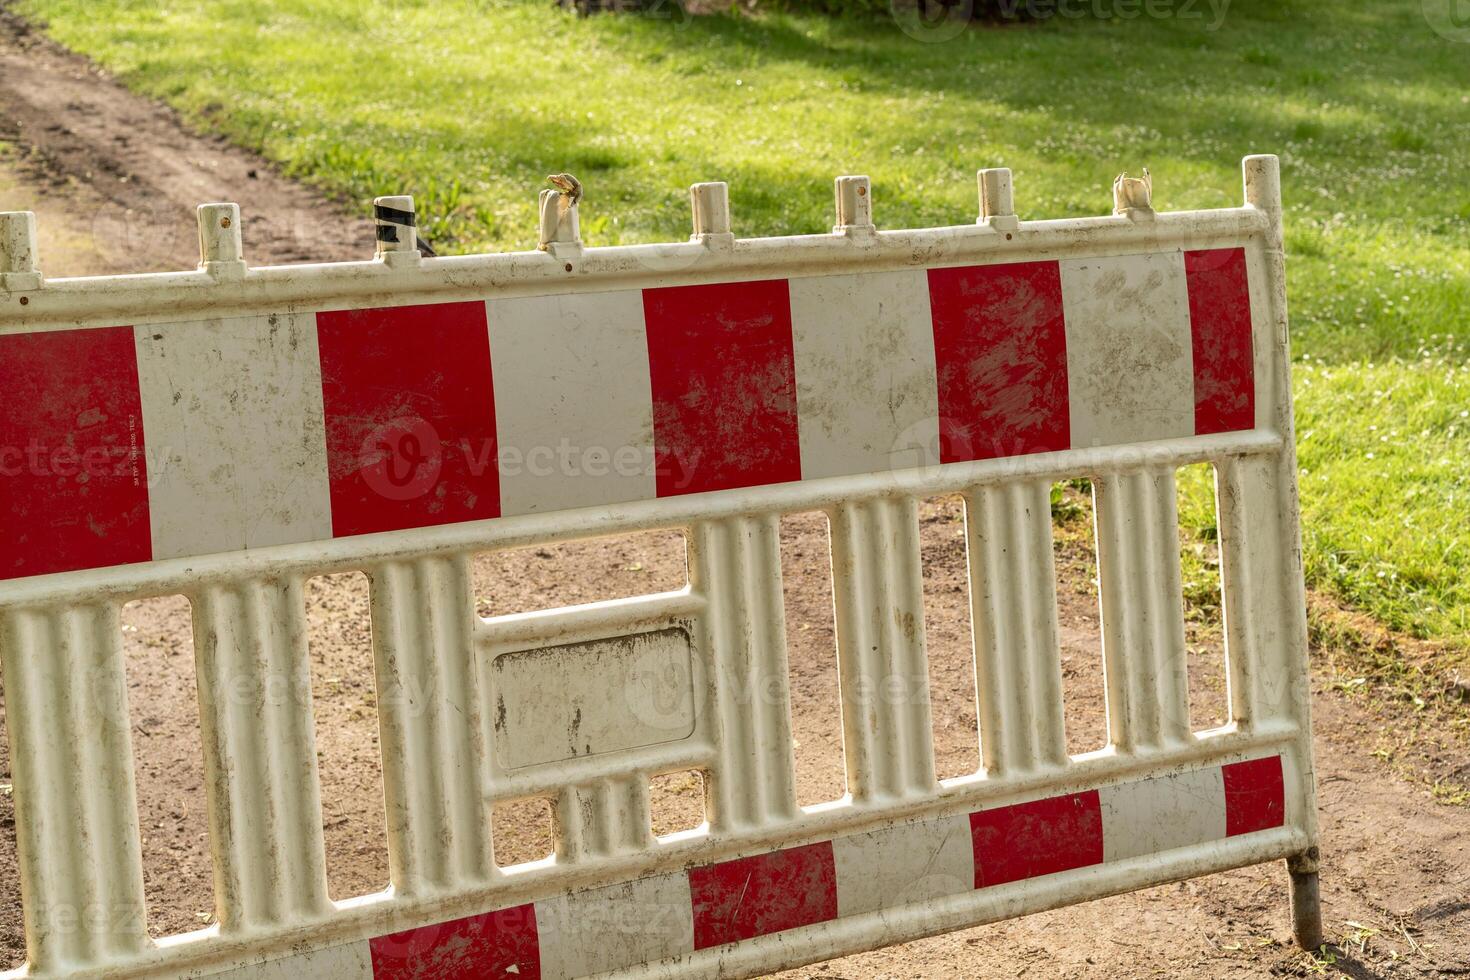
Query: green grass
[468,104]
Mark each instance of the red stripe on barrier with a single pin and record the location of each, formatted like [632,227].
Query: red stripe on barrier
[1043,837]
[496,944]
[410,417]
[1220,323]
[724,386]
[1255,796]
[759,895]
[1000,346]
[73,474]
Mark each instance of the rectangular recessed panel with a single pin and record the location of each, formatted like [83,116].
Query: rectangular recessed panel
[763,894]
[1220,319]
[1153,815]
[581,699]
[410,416]
[234,409]
[1001,351]
[73,472]
[572,407]
[724,386]
[1129,348]
[864,352]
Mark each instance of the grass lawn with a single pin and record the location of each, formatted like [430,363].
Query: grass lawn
[469,104]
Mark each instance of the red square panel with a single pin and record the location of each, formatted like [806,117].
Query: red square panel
[496,944]
[1220,326]
[1000,347]
[759,895]
[724,386]
[410,417]
[73,473]
[1043,837]
[1255,796]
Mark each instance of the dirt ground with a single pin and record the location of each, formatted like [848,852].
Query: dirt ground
[114,180]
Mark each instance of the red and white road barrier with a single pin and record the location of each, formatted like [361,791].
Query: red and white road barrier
[230,433]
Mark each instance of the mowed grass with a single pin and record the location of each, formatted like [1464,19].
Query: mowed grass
[469,104]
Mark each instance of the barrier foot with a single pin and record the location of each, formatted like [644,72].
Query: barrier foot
[1306,900]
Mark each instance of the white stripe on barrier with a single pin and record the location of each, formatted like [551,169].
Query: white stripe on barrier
[865,380]
[233,408]
[908,862]
[573,418]
[602,929]
[1162,813]
[1129,370]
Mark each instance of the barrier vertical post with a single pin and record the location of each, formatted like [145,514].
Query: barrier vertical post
[221,250]
[397,231]
[19,268]
[854,205]
[710,202]
[1262,179]
[560,224]
[997,204]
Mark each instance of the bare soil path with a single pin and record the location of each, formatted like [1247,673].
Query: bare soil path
[128,175]
[115,178]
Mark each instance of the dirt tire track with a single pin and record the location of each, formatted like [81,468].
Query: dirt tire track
[148,171]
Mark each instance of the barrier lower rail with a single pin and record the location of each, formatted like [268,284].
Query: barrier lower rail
[232,432]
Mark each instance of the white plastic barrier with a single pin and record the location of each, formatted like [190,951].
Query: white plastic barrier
[231,432]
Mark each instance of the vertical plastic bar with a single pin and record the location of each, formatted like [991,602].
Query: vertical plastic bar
[1018,670]
[1142,610]
[1262,179]
[76,811]
[429,716]
[877,587]
[260,754]
[736,563]
[604,818]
